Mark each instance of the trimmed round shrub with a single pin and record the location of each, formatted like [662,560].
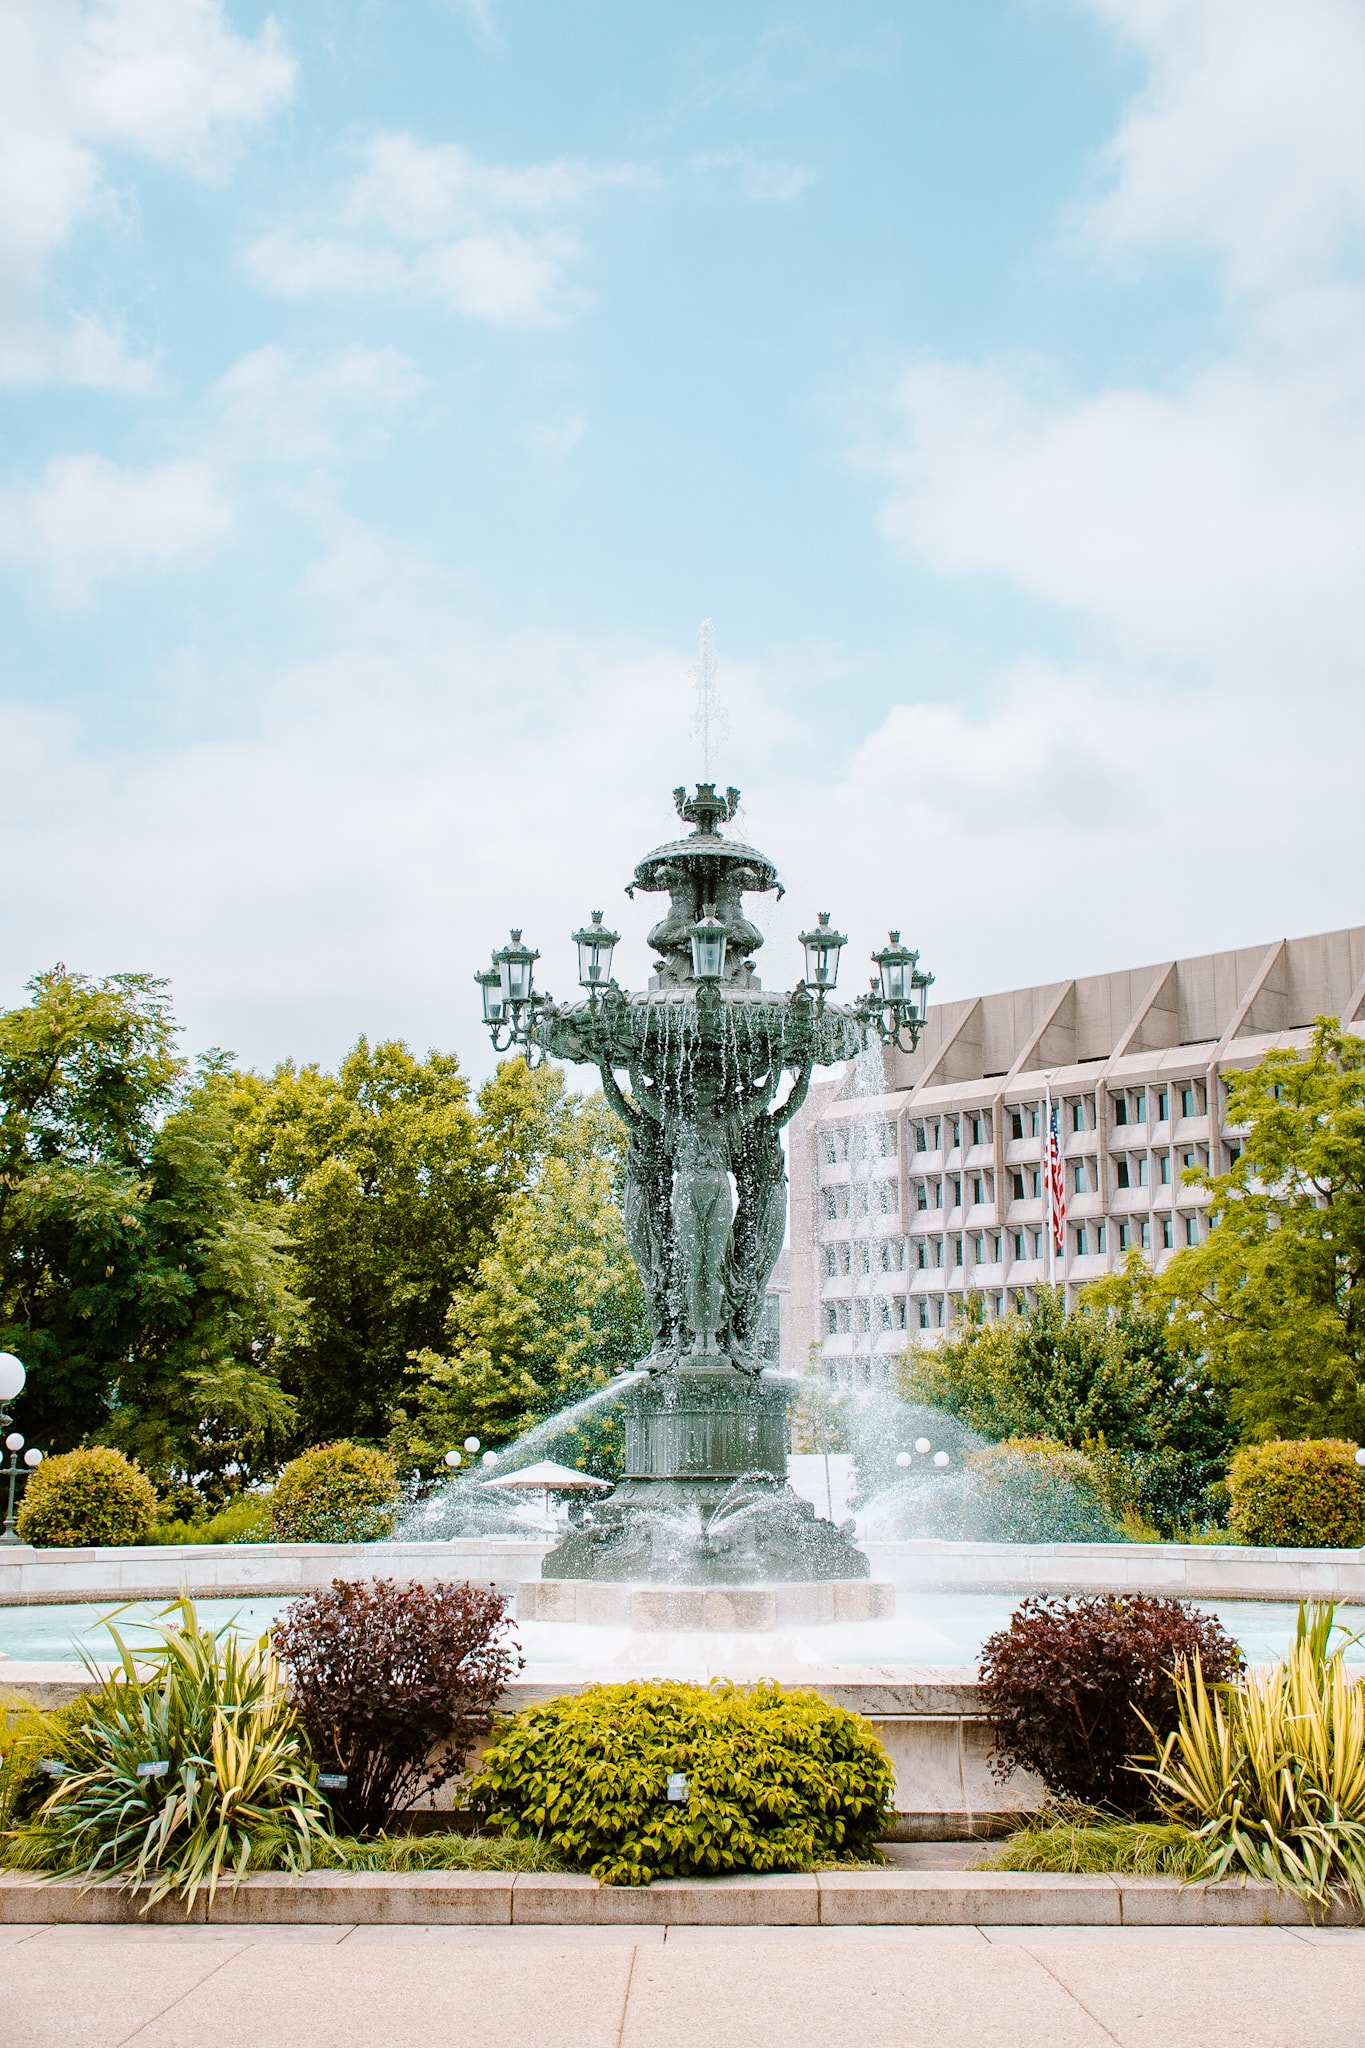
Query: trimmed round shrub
[1034,1490]
[1068,1686]
[391,1684]
[86,1497]
[762,1779]
[1304,1494]
[335,1493]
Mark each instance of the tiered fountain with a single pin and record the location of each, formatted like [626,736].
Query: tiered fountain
[704,1530]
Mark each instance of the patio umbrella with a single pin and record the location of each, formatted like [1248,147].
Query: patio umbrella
[547,1477]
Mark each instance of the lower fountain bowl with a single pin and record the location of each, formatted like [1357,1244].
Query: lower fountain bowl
[792,1603]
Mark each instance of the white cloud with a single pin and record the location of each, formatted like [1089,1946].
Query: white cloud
[167,80]
[1245,139]
[758,178]
[276,405]
[432,222]
[1221,522]
[87,521]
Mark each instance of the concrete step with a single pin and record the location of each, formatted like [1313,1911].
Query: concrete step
[841,1898]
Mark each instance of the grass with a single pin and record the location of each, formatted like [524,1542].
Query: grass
[244,1520]
[437,1852]
[1080,1839]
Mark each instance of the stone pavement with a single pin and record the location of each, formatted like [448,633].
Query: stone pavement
[681,1987]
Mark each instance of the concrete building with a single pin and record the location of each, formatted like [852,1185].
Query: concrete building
[917,1185]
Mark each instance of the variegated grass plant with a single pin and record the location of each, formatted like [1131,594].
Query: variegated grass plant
[1269,1774]
[183,1774]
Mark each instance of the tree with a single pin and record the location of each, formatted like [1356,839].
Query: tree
[142,1291]
[386,1192]
[1114,1375]
[556,1305]
[1275,1296]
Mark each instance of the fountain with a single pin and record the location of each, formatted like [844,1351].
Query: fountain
[704,1510]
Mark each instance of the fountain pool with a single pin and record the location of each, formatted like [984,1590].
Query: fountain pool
[930,1630]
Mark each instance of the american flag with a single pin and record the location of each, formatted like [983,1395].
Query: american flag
[1056,1185]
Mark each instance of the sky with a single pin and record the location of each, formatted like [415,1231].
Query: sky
[388,388]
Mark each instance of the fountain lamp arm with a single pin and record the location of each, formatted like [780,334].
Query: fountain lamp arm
[626,1109]
[796,1095]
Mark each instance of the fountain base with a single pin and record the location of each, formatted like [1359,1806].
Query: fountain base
[745,1609]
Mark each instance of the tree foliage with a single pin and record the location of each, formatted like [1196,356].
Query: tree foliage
[142,1291]
[555,1306]
[386,1192]
[1275,1296]
[1114,1376]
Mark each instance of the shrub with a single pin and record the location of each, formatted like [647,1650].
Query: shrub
[244,1519]
[1270,1776]
[1309,1493]
[1067,1836]
[773,1780]
[237,1789]
[86,1497]
[1035,1490]
[335,1493]
[391,1683]
[1073,1687]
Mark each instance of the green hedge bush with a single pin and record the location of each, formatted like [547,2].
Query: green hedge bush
[1308,1493]
[85,1497]
[335,1493]
[775,1780]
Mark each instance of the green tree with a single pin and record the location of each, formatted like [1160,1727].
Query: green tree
[1113,1375]
[386,1190]
[1275,1296]
[140,1288]
[556,1305]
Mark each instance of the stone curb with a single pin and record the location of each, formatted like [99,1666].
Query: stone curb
[841,1898]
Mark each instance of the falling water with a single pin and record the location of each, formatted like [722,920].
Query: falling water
[710,723]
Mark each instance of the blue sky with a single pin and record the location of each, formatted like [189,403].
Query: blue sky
[388,389]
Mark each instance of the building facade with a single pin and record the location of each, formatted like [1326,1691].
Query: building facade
[917,1179]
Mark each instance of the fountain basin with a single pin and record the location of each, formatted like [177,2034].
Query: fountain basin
[747,1610]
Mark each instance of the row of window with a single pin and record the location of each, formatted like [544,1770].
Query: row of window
[862,1198]
[873,1139]
[954,1190]
[990,1247]
[1025,1120]
[882,1255]
[864,1318]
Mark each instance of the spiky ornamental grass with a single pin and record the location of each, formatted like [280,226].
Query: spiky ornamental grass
[1269,1775]
[231,1784]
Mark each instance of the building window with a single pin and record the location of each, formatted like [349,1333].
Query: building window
[979,1188]
[1142,1171]
[1191,1230]
[1125,1237]
[900,1312]
[1121,1174]
[1101,1238]
[1017,1179]
[888,1141]
[1189,1100]
[1020,1245]
[1145,1230]
[889,1195]
[1078,1178]
[829,1151]
[979,1135]
[1078,1116]
[1120,1109]
[831,1319]
[1163,1106]
[1165,1169]
[995,1248]
[921,1195]
[1167,1233]
[1082,1243]
[924,1315]
[921,1140]
[921,1255]
[1016,1123]
[831,1262]
[831,1206]
[1140,1106]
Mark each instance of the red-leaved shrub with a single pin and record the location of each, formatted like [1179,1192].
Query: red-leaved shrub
[1065,1684]
[391,1684]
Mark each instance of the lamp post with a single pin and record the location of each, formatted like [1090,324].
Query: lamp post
[12,1378]
[696,1067]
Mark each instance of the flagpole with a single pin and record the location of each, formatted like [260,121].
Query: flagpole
[1051,1196]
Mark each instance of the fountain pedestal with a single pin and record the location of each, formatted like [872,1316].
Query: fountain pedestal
[705,1501]
[728,1609]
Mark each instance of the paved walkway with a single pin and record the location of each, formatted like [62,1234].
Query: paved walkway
[685,1987]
